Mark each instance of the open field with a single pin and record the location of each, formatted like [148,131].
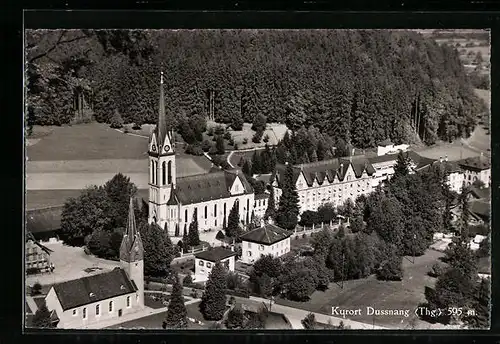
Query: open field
[85,142]
[49,198]
[70,263]
[405,294]
[275,132]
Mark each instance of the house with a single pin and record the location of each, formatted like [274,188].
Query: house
[44,223]
[174,202]
[267,239]
[454,174]
[387,147]
[205,261]
[260,204]
[476,168]
[37,256]
[89,300]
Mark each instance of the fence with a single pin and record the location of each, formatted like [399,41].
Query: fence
[308,231]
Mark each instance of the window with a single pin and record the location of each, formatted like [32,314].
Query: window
[215,224]
[249,253]
[206,211]
[186,215]
[201,263]
[237,188]
[84,313]
[164,173]
[209,265]
[215,210]
[128,301]
[152,172]
[254,204]
[224,209]
[97,309]
[170,172]
[75,312]
[110,306]
[249,245]
[261,247]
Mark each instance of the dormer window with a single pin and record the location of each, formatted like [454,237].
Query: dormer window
[91,295]
[122,287]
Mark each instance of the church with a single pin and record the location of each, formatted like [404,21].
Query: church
[104,296]
[175,202]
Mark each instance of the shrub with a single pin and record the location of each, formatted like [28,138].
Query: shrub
[219,130]
[437,270]
[137,126]
[194,149]
[116,121]
[36,289]
[257,137]
[206,145]
[231,142]
[227,136]
[210,131]
[188,280]
[235,146]
[296,237]
[304,236]
[245,141]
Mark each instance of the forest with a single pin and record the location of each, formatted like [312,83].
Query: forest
[358,86]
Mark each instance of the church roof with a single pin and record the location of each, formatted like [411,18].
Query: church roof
[477,163]
[86,290]
[267,234]
[215,254]
[163,125]
[131,248]
[209,186]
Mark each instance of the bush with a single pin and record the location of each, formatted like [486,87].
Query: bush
[227,136]
[206,145]
[188,280]
[194,149]
[210,131]
[116,121]
[137,126]
[235,146]
[245,141]
[36,289]
[231,142]
[257,137]
[437,270]
[126,130]
[219,130]
[304,236]
[296,237]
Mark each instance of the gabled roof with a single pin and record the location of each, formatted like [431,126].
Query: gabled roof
[83,291]
[478,193]
[266,235]
[328,169]
[44,220]
[209,186]
[477,163]
[29,236]
[215,254]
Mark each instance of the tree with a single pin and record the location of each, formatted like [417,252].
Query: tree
[188,280]
[85,214]
[256,163]
[326,212]
[235,318]
[309,322]
[246,168]
[259,123]
[271,206]
[391,267]
[402,167]
[213,301]
[119,191]
[157,254]
[288,209]
[193,234]
[176,314]
[219,145]
[116,121]
[481,305]
[41,319]
[233,222]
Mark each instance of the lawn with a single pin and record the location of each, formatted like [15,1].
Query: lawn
[49,198]
[86,142]
[405,294]
[152,322]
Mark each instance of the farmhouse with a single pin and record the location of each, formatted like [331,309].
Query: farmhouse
[37,255]
[205,261]
[81,302]
[175,202]
[476,168]
[267,239]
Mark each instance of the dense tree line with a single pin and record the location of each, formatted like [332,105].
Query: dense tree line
[359,86]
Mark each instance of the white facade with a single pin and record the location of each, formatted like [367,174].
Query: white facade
[251,251]
[470,176]
[455,181]
[260,205]
[203,267]
[383,171]
[391,149]
[88,314]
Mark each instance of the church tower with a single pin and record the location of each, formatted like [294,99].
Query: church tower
[162,169]
[132,255]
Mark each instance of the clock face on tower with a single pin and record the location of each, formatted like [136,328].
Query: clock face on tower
[167,148]
[153,148]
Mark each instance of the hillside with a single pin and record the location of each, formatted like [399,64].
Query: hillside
[357,86]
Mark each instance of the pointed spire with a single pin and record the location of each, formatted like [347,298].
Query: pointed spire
[162,121]
[131,227]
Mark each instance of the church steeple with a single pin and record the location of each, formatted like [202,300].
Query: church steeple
[163,130]
[131,249]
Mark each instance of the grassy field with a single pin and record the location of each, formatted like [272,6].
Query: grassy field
[405,294]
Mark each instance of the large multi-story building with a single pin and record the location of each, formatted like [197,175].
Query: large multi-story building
[175,202]
[476,168]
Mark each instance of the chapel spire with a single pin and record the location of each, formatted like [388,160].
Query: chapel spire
[131,248]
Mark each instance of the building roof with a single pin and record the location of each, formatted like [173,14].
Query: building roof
[44,220]
[266,235]
[477,163]
[29,236]
[385,143]
[328,169]
[261,196]
[86,290]
[483,193]
[209,186]
[215,254]
[163,125]
[266,178]
[131,249]
[480,209]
